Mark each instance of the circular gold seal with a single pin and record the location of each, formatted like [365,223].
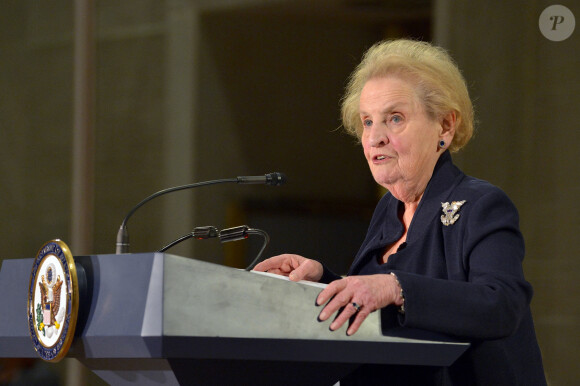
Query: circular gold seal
[53,301]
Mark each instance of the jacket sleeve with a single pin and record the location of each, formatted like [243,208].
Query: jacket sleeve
[328,276]
[493,296]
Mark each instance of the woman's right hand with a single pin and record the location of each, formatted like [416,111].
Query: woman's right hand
[296,267]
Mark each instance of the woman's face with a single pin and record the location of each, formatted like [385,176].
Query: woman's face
[400,141]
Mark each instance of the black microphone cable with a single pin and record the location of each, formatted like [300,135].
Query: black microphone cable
[199,233]
[242,232]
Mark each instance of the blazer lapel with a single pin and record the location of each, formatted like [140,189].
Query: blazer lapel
[446,177]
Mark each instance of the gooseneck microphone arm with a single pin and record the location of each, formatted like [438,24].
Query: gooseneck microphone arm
[122,245]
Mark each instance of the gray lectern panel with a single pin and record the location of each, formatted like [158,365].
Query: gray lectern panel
[14,335]
[204,299]
[125,316]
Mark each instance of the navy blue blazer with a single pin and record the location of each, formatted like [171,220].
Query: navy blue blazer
[463,279]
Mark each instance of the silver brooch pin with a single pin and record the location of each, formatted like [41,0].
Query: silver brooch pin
[450,214]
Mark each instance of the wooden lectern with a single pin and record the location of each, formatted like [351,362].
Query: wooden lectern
[160,319]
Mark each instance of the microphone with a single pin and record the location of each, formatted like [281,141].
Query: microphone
[272,179]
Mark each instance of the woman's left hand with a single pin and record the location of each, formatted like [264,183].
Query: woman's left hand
[358,295]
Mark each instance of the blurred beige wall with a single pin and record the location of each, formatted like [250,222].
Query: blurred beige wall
[187,92]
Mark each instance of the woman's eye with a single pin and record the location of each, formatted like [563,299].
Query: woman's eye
[396,119]
[367,122]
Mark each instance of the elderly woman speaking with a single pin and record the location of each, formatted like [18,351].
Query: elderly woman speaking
[442,248]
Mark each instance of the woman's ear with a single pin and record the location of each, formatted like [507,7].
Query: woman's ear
[448,123]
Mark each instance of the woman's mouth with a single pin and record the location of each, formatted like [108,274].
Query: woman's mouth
[380,157]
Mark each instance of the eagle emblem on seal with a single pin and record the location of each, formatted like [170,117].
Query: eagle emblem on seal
[450,214]
[49,311]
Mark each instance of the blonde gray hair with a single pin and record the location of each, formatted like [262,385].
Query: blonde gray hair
[437,81]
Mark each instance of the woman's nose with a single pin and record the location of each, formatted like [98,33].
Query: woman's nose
[378,136]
